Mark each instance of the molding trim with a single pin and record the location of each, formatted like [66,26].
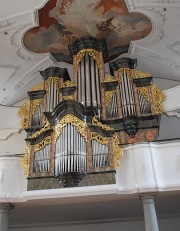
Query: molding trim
[34,72]
[173,47]
[137,50]
[26,79]
[154,3]
[157,17]
[17,21]
[17,25]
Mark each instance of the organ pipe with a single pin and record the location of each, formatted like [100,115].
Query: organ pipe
[41,159]
[127,97]
[88,84]
[70,151]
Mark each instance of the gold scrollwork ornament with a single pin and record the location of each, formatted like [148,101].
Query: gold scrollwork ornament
[51,80]
[38,87]
[80,125]
[42,144]
[67,84]
[117,151]
[100,139]
[99,124]
[25,160]
[91,52]
[36,104]
[68,97]
[24,113]
[108,96]
[158,98]
[46,127]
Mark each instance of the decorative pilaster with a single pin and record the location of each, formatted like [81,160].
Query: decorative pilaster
[150,217]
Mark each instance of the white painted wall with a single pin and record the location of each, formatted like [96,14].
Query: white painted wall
[164,225]
[149,167]
[12,180]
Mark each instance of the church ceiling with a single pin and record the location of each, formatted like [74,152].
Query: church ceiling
[62,22]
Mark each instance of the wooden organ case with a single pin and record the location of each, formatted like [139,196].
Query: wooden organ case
[75,128]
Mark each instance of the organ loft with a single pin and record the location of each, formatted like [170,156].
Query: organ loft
[77,125]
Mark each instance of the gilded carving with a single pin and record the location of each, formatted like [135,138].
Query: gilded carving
[24,113]
[132,74]
[67,84]
[140,74]
[68,97]
[46,127]
[80,125]
[91,52]
[145,92]
[38,87]
[36,104]
[25,160]
[109,78]
[158,97]
[108,96]
[99,124]
[100,139]
[50,80]
[117,151]
[42,144]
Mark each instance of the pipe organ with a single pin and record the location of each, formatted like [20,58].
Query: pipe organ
[75,127]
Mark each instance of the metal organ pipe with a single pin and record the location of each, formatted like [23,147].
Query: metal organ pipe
[36,118]
[145,106]
[70,151]
[127,96]
[100,155]
[52,96]
[88,83]
[41,159]
[112,107]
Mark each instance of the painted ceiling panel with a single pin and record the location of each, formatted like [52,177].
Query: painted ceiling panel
[62,22]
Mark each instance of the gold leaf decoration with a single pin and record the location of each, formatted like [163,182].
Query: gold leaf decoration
[42,144]
[24,113]
[67,84]
[80,125]
[109,78]
[100,139]
[145,92]
[50,80]
[25,160]
[68,97]
[99,124]
[36,104]
[158,97]
[123,71]
[137,74]
[38,87]
[117,151]
[91,52]
[46,127]
[132,74]
[108,96]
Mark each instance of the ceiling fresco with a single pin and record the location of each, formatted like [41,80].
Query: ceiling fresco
[61,22]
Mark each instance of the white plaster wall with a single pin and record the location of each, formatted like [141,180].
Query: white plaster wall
[12,180]
[164,225]
[149,167]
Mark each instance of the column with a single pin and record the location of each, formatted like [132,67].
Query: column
[4,215]
[150,217]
